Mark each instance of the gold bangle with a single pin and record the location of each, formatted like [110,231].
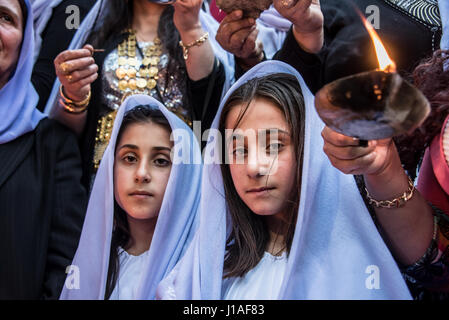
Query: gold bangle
[197,42]
[397,202]
[71,108]
[82,103]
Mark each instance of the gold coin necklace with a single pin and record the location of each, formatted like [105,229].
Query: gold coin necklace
[132,76]
[132,79]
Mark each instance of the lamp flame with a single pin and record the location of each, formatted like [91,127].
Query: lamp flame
[385,63]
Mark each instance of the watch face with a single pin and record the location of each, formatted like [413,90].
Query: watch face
[163,1]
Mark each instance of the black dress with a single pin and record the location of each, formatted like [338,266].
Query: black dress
[42,208]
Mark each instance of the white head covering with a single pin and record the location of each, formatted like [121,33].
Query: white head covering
[176,220]
[335,243]
[273,30]
[208,23]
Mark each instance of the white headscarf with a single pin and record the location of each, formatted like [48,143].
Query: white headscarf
[336,245]
[176,221]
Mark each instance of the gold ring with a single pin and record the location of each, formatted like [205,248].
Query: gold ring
[288,3]
[69,78]
[64,67]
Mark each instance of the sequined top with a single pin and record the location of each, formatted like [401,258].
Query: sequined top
[169,89]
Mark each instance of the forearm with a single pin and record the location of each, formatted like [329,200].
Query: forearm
[75,122]
[200,61]
[408,229]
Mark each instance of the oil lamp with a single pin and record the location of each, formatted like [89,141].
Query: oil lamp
[372,105]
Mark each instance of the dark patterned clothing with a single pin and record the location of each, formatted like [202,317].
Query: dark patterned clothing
[428,278]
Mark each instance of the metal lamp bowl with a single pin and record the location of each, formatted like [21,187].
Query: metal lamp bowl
[372,105]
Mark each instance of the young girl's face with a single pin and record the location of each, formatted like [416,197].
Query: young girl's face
[141,169]
[264,182]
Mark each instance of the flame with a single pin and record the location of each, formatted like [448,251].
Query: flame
[385,63]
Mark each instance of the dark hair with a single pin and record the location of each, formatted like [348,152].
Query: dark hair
[118,19]
[433,81]
[249,236]
[121,235]
[24,8]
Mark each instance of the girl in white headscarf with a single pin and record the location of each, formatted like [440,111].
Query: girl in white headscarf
[142,208]
[284,224]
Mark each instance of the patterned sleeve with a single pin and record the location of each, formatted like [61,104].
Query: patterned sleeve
[428,278]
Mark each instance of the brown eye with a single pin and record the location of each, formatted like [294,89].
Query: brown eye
[239,151]
[161,162]
[274,147]
[6,17]
[130,159]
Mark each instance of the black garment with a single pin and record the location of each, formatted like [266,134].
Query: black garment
[55,39]
[197,91]
[42,208]
[348,48]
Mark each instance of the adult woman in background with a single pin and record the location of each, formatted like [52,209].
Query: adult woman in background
[142,54]
[42,201]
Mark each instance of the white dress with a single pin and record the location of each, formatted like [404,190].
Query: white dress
[263,282]
[129,276]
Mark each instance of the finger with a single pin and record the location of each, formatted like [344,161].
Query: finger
[83,73]
[74,65]
[228,29]
[90,48]
[233,16]
[238,39]
[250,43]
[301,5]
[338,139]
[357,166]
[72,55]
[80,84]
[347,153]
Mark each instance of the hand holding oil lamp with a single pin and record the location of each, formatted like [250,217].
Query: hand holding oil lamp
[372,105]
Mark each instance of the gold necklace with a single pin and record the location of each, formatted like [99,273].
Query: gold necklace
[132,76]
[133,79]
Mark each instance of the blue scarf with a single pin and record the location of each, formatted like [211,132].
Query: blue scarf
[18,98]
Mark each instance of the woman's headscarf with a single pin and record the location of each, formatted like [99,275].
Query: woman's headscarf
[176,220]
[208,23]
[18,99]
[336,253]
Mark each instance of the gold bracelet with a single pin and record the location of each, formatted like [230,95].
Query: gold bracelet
[72,106]
[76,103]
[397,202]
[197,42]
